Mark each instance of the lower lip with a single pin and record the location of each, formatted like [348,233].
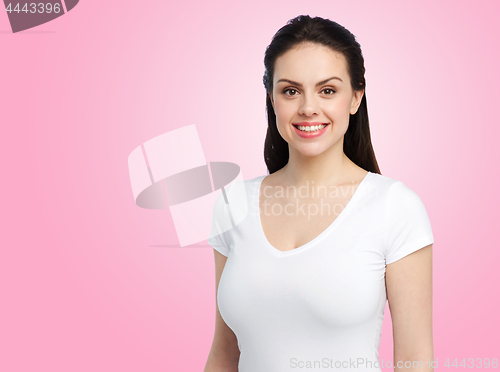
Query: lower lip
[310,134]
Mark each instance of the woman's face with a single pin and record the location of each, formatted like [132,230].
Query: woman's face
[311,85]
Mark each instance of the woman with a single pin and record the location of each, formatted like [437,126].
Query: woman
[302,282]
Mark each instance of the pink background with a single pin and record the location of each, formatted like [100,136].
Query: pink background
[91,282]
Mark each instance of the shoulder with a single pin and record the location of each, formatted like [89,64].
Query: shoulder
[384,185]
[403,204]
[232,204]
[407,224]
[242,185]
[238,194]
[252,185]
[382,181]
[392,196]
[378,186]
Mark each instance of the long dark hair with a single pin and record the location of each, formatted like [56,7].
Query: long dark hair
[357,142]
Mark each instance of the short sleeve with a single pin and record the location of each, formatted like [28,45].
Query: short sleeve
[217,238]
[407,225]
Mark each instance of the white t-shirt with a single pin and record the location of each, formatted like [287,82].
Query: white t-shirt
[320,306]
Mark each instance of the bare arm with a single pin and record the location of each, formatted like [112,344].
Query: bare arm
[409,292]
[224,353]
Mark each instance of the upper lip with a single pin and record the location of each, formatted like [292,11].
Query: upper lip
[308,123]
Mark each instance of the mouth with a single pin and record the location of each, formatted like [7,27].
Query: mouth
[310,127]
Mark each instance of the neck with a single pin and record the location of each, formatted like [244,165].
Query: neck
[327,168]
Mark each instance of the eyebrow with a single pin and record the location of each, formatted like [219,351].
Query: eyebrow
[320,83]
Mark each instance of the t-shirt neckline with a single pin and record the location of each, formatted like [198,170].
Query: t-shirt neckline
[276,252]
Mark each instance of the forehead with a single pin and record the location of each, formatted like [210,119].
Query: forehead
[310,63]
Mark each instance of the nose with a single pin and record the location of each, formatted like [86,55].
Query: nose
[308,105]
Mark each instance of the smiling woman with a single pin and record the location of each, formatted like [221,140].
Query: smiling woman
[293,100]
[303,281]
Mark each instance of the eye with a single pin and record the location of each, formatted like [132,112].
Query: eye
[329,89]
[289,90]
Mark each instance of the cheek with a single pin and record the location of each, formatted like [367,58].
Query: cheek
[340,109]
[346,104]
[281,109]
[284,115]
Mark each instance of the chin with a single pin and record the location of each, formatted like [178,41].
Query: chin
[311,152]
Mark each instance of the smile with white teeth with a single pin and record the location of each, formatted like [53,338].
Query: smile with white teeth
[310,128]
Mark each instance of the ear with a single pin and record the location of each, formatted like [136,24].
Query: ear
[356,101]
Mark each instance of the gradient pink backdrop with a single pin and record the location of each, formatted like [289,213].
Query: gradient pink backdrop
[89,282]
